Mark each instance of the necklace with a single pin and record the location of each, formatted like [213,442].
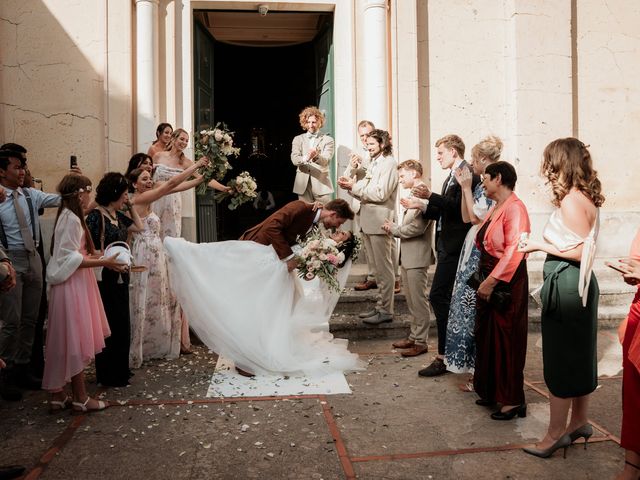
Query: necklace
[112,218]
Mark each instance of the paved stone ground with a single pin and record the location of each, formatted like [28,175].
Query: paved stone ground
[395,425]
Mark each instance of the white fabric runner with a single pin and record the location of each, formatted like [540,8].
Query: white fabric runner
[227,382]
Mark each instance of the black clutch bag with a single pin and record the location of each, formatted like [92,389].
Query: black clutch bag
[500,299]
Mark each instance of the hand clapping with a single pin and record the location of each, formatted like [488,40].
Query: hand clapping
[463,176]
[421,191]
[345,183]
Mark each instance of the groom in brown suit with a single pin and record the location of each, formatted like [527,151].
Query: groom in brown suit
[282,228]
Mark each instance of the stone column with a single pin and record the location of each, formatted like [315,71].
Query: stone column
[147,74]
[375,86]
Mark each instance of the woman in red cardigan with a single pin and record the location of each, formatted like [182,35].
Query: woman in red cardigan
[630,338]
[501,326]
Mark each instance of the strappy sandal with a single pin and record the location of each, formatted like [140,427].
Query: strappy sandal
[79,408]
[59,405]
[466,387]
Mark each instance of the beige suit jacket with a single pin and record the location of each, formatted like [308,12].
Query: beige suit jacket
[318,169]
[416,235]
[376,193]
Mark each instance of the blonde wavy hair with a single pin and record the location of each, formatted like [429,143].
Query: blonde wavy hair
[310,112]
[489,147]
[567,164]
[174,136]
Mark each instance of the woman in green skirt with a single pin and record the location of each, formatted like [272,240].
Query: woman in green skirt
[569,293]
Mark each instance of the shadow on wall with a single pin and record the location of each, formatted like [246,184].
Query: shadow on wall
[54,98]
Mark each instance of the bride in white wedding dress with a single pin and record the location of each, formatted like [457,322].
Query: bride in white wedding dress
[244,305]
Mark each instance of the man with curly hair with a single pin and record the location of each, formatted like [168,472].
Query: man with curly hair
[311,153]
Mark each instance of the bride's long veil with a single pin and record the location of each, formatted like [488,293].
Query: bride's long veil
[242,303]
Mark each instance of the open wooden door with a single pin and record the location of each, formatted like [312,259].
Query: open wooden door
[323,47]
[207,228]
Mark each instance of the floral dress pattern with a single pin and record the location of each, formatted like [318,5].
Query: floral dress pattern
[169,207]
[460,349]
[155,318]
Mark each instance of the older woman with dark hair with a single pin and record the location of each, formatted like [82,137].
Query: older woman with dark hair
[569,293]
[107,224]
[502,297]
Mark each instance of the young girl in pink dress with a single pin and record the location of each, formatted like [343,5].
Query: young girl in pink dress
[77,323]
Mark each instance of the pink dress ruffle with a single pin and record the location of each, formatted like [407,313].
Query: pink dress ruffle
[76,330]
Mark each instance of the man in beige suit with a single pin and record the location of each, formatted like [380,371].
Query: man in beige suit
[357,168]
[377,195]
[311,153]
[416,255]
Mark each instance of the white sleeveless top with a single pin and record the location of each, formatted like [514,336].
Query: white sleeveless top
[559,235]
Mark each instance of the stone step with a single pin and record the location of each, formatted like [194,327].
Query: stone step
[603,273]
[352,301]
[349,326]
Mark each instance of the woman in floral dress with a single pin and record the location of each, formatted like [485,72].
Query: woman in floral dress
[155,319]
[460,348]
[168,164]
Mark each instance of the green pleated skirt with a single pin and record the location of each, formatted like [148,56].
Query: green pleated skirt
[569,330]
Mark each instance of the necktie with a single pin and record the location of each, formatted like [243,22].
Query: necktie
[447,183]
[27,239]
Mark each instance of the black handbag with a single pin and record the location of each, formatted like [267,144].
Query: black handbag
[500,299]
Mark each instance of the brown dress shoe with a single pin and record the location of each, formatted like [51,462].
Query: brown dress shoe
[404,343]
[244,373]
[366,285]
[396,287]
[415,351]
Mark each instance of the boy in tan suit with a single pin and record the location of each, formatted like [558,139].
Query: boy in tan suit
[416,255]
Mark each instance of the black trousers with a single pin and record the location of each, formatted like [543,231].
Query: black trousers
[441,290]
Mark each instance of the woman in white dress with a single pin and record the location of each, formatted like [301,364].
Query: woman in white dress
[245,305]
[168,164]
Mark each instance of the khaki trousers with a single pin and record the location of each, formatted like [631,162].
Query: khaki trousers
[379,250]
[414,282]
[309,197]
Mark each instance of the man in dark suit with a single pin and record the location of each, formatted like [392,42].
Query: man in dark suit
[450,234]
[282,228]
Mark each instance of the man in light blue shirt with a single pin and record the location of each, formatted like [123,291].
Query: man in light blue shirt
[19,225]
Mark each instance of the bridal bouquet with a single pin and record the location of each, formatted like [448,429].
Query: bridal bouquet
[320,258]
[243,189]
[217,146]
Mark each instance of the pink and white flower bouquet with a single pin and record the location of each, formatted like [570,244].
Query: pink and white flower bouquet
[320,258]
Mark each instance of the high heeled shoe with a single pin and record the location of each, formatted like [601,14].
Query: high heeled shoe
[563,442]
[585,431]
[520,411]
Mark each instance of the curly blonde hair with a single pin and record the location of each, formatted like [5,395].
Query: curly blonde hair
[310,112]
[174,136]
[567,164]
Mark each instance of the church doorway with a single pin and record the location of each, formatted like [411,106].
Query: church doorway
[256,73]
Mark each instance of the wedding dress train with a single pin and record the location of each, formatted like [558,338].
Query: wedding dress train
[243,304]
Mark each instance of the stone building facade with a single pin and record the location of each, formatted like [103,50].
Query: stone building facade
[94,78]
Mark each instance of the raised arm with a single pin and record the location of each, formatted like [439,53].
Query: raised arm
[170,185]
